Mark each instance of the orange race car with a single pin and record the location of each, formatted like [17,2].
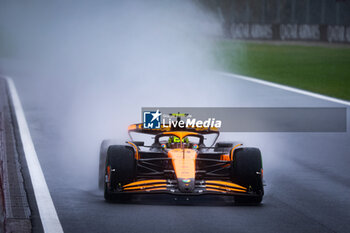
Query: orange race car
[178,162]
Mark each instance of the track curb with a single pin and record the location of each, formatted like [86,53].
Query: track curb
[16,210]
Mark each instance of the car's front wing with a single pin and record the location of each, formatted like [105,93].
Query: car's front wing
[171,187]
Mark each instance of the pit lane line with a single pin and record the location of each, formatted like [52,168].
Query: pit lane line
[47,211]
[287,88]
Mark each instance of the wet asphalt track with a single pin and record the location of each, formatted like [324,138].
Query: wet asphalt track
[307,176]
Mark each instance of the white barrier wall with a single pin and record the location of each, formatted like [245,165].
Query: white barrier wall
[289,31]
[309,32]
[306,32]
[251,31]
[240,31]
[338,34]
[261,31]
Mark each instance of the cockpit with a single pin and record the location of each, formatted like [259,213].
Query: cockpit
[179,140]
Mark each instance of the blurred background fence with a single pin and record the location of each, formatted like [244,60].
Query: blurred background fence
[308,20]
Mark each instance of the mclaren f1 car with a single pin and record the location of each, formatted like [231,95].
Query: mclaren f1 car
[179,162]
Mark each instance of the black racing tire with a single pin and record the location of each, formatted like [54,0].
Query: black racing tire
[102,161]
[123,164]
[247,171]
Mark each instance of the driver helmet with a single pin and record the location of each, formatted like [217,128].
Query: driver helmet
[176,140]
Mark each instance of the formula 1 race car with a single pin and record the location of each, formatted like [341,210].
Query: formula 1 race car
[178,162]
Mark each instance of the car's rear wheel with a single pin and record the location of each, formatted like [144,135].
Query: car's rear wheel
[247,171]
[120,169]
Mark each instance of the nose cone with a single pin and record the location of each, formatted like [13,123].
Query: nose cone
[184,163]
[186,185]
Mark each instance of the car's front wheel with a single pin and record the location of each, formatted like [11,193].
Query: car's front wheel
[247,171]
[102,161]
[120,169]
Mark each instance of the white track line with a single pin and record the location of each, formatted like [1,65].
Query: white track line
[47,211]
[292,89]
